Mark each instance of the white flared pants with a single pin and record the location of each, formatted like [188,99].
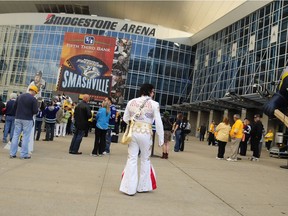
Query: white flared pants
[147,180]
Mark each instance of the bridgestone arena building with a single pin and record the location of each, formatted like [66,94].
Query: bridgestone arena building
[223,69]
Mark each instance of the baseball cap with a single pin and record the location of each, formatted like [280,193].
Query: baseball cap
[38,73]
[34,88]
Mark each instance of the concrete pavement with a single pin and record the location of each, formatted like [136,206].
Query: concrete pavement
[192,182]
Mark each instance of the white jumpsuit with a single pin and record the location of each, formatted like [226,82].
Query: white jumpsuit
[141,140]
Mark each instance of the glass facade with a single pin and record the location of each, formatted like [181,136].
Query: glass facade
[26,49]
[247,55]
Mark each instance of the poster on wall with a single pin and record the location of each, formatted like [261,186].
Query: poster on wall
[120,69]
[234,49]
[274,34]
[86,65]
[206,61]
[252,43]
[219,55]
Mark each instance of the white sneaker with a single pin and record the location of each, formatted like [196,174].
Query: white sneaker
[255,159]
[219,158]
[93,155]
[232,160]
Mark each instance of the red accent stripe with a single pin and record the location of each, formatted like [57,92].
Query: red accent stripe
[153,179]
[122,175]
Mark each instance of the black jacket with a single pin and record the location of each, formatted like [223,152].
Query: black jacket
[81,115]
[167,125]
[256,131]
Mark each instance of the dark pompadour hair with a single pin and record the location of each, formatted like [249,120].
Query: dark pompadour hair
[110,99]
[146,89]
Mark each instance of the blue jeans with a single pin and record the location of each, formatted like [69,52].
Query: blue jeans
[108,141]
[76,140]
[24,126]
[177,140]
[9,127]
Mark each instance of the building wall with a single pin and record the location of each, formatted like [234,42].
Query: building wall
[250,52]
[246,58]
[28,45]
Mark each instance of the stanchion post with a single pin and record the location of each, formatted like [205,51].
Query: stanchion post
[153,140]
[153,143]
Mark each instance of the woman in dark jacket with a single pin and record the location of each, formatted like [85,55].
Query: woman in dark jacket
[184,132]
[167,125]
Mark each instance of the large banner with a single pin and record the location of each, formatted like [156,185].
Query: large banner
[86,65]
[120,69]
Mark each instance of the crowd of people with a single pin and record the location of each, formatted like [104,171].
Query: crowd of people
[239,135]
[61,116]
[27,116]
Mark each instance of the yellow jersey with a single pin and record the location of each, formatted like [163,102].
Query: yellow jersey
[212,128]
[269,137]
[237,129]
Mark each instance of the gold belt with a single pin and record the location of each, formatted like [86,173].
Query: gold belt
[142,127]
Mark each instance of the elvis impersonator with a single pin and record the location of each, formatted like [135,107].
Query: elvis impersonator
[146,111]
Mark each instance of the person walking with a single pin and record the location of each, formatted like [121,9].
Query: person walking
[236,135]
[222,137]
[147,112]
[202,132]
[9,118]
[167,125]
[25,107]
[256,136]
[211,138]
[102,123]
[81,115]
[177,132]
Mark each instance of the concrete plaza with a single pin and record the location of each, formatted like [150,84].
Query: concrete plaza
[192,182]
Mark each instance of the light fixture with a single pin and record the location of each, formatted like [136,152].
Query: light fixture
[176,45]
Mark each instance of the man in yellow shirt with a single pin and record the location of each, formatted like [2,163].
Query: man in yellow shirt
[236,135]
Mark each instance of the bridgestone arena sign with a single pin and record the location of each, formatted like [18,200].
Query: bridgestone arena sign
[52,19]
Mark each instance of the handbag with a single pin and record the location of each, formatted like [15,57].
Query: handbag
[127,136]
